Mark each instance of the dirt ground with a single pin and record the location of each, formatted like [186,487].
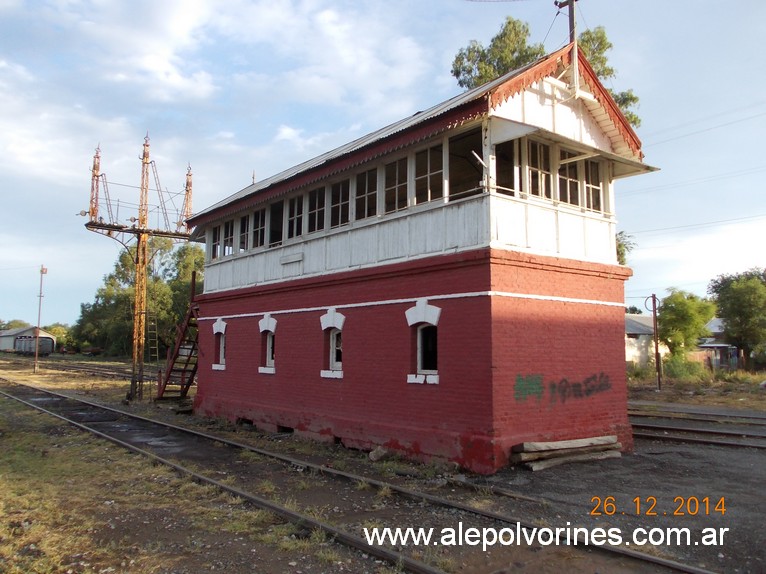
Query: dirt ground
[660,486]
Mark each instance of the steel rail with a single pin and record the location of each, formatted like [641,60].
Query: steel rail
[396,558]
[701,417]
[705,431]
[697,440]
[413,494]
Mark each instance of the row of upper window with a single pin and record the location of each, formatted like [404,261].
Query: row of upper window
[524,167]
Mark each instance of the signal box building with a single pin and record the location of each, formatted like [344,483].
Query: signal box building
[446,287]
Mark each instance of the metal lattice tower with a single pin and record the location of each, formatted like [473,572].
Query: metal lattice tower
[138,230]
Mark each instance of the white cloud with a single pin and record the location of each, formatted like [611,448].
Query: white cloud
[691,260]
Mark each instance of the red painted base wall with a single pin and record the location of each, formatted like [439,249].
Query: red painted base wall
[526,351]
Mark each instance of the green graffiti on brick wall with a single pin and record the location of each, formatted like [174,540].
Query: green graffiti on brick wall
[529,385]
[563,390]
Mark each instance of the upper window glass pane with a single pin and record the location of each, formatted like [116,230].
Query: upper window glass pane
[295,217]
[396,185]
[539,169]
[259,228]
[429,178]
[367,194]
[339,203]
[568,179]
[316,209]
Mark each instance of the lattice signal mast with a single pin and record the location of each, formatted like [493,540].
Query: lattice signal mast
[138,229]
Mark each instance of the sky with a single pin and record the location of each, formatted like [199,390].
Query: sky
[234,88]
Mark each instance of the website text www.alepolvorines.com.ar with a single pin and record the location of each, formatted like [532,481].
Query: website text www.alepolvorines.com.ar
[558,536]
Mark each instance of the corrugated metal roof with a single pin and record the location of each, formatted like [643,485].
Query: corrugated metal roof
[638,324]
[16,331]
[362,142]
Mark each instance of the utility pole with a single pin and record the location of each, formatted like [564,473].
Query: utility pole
[573,40]
[43,271]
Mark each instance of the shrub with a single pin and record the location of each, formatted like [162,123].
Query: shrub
[679,368]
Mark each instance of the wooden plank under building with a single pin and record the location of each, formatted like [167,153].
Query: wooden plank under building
[562,444]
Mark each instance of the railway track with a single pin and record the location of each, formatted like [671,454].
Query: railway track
[704,426]
[290,487]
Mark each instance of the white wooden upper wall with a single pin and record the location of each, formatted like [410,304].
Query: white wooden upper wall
[499,221]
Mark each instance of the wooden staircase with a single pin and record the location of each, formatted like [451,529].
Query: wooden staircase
[181,365]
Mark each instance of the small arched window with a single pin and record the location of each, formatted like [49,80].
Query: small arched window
[423,320]
[332,325]
[268,328]
[219,348]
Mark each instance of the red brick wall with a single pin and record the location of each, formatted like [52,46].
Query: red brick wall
[559,366]
[474,415]
[373,403]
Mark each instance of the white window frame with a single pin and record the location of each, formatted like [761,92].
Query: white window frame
[332,325]
[268,329]
[219,333]
[336,343]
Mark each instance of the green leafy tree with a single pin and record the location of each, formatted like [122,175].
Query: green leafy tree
[476,65]
[509,50]
[107,322]
[741,300]
[13,324]
[60,331]
[682,320]
[625,245]
[595,45]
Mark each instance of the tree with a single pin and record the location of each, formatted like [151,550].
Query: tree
[107,322]
[625,245]
[13,324]
[60,331]
[682,320]
[595,45]
[741,300]
[508,50]
[633,310]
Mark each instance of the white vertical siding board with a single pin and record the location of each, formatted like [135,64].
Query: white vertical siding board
[363,247]
[571,235]
[542,225]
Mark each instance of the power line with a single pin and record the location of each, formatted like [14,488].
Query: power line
[686,183]
[711,128]
[693,225]
[706,119]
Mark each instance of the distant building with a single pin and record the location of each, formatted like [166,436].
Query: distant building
[445,287]
[8,337]
[715,351]
[639,340]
